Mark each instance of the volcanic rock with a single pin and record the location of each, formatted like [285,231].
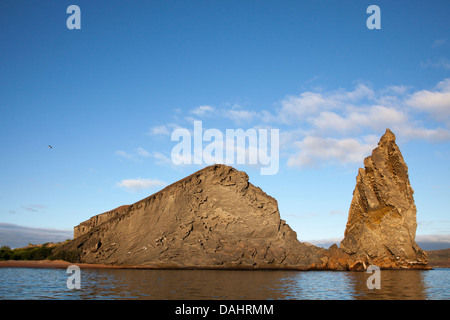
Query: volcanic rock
[216,219]
[213,218]
[381,224]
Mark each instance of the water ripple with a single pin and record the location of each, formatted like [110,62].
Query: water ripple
[38,283]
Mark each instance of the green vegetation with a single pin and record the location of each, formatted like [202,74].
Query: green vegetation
[40,252]
[66,255]
[29,253]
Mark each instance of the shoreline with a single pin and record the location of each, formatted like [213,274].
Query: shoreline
[64,264]
[50,264]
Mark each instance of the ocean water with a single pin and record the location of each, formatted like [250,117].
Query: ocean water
[40,283]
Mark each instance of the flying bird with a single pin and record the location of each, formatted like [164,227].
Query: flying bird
[50,147]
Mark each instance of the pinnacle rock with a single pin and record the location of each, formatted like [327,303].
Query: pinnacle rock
[381,224]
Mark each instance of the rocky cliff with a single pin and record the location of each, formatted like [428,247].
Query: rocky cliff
[213,218]
[381,225]
[97,220]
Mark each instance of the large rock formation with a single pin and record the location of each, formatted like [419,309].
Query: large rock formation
[213,218]
[381,225]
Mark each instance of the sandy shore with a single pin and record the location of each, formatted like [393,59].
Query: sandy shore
[65,264]
[48,264]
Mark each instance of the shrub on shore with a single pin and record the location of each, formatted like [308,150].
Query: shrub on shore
[29,253]
[39,252]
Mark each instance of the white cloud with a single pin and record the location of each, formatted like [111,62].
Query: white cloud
[34,207]
[398,90]
[435,135]
[17,236]
[240,116]
[202,110]
[299,107]
[159,130]
[124,154]
[162,159]
[307,104]
[436,102]
[140,184]
[349,116]
[444,85]
[142,152]
[330,120]
[435,237]
[381,117]
[314,150]
[341,126]
[442,63]
[136,156]
[356,119]
[361,92]
[438,43]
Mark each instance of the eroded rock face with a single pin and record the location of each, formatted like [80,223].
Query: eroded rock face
[382,223]
[97,220]
[213,218]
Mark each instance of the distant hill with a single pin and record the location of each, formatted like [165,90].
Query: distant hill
[439,258]
[16,236]
[429,243]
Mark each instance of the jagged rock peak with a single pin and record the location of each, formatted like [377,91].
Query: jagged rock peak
[388,136]
[381,222]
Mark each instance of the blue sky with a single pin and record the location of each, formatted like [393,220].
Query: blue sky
[108,96]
